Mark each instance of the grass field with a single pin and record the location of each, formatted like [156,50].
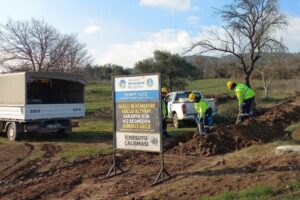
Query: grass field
[98,95]
[261,193]
[95,135]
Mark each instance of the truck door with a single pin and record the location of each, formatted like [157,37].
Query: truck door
[169,99]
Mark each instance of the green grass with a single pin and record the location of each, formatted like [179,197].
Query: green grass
[261,193]
[209,86]
[295,186]
[94,131]
[279,91]
[98,95]
[293,127]
[227,113]
[224,196]
[86,150]
[256,193]
[94,136]
[293,194]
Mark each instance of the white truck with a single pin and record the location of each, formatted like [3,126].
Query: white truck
[40,102]
[181,109]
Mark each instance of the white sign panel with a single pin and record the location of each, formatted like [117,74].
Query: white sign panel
[137,113]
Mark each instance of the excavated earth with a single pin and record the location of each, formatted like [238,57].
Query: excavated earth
[199,166]
[262,129]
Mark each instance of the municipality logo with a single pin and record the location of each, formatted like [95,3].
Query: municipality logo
[150,82]
[122,84]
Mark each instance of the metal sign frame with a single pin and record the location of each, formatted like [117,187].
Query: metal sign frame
[116,169]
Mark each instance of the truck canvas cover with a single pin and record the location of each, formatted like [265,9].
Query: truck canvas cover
[40,88]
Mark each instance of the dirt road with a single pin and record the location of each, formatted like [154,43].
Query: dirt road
[199,166]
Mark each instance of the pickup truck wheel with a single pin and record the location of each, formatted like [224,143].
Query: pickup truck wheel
[12,133]
[177,123]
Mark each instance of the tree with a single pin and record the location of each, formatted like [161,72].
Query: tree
[37,46]
[174,69]
[268,64]
[104,72]
[250,28]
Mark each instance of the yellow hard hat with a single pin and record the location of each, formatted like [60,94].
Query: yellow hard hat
[164,90]
[192,96]
[229,84]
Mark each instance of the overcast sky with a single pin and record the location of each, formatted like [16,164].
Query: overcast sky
[126,31]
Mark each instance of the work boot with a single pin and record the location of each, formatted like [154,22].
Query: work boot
[201,130]
[206,130]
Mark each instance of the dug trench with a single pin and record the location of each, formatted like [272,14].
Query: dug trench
[198,164]
[264,128]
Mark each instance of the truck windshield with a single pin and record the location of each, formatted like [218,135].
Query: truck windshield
[184,96]
[54,91]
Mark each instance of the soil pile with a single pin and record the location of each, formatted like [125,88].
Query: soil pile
[52,177]
[47,175]
[224,139]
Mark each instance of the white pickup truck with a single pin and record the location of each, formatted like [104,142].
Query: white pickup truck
[181,109]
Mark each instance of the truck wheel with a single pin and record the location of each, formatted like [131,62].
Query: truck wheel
[177,123]
[12,133]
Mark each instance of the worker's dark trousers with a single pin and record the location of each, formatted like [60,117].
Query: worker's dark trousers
[246,108]
[164,127]
[201,122]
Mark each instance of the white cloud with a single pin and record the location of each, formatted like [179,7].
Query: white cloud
[193,20]
[174,5]
[177,41]
[291,34]
[92,29]
[127,55]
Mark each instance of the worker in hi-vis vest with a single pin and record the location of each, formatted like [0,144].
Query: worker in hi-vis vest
[245,96]
[164,111]
[204,112]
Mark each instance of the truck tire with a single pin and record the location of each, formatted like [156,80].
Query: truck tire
[12,132]
[177,123]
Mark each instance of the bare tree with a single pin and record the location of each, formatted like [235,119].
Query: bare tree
[267,67]
[250,27]
[37,46]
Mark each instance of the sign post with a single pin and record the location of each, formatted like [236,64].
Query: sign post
[137,117]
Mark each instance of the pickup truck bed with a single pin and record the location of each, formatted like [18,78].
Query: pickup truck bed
[180,109]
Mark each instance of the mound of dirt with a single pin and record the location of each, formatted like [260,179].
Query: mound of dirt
[49,175]
[224,139]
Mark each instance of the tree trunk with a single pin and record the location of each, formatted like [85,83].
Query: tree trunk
[247,80]
[266,92]
[266,84]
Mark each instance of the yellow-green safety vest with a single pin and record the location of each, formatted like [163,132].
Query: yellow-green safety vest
[243,92]
[201,107]
[164,109]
